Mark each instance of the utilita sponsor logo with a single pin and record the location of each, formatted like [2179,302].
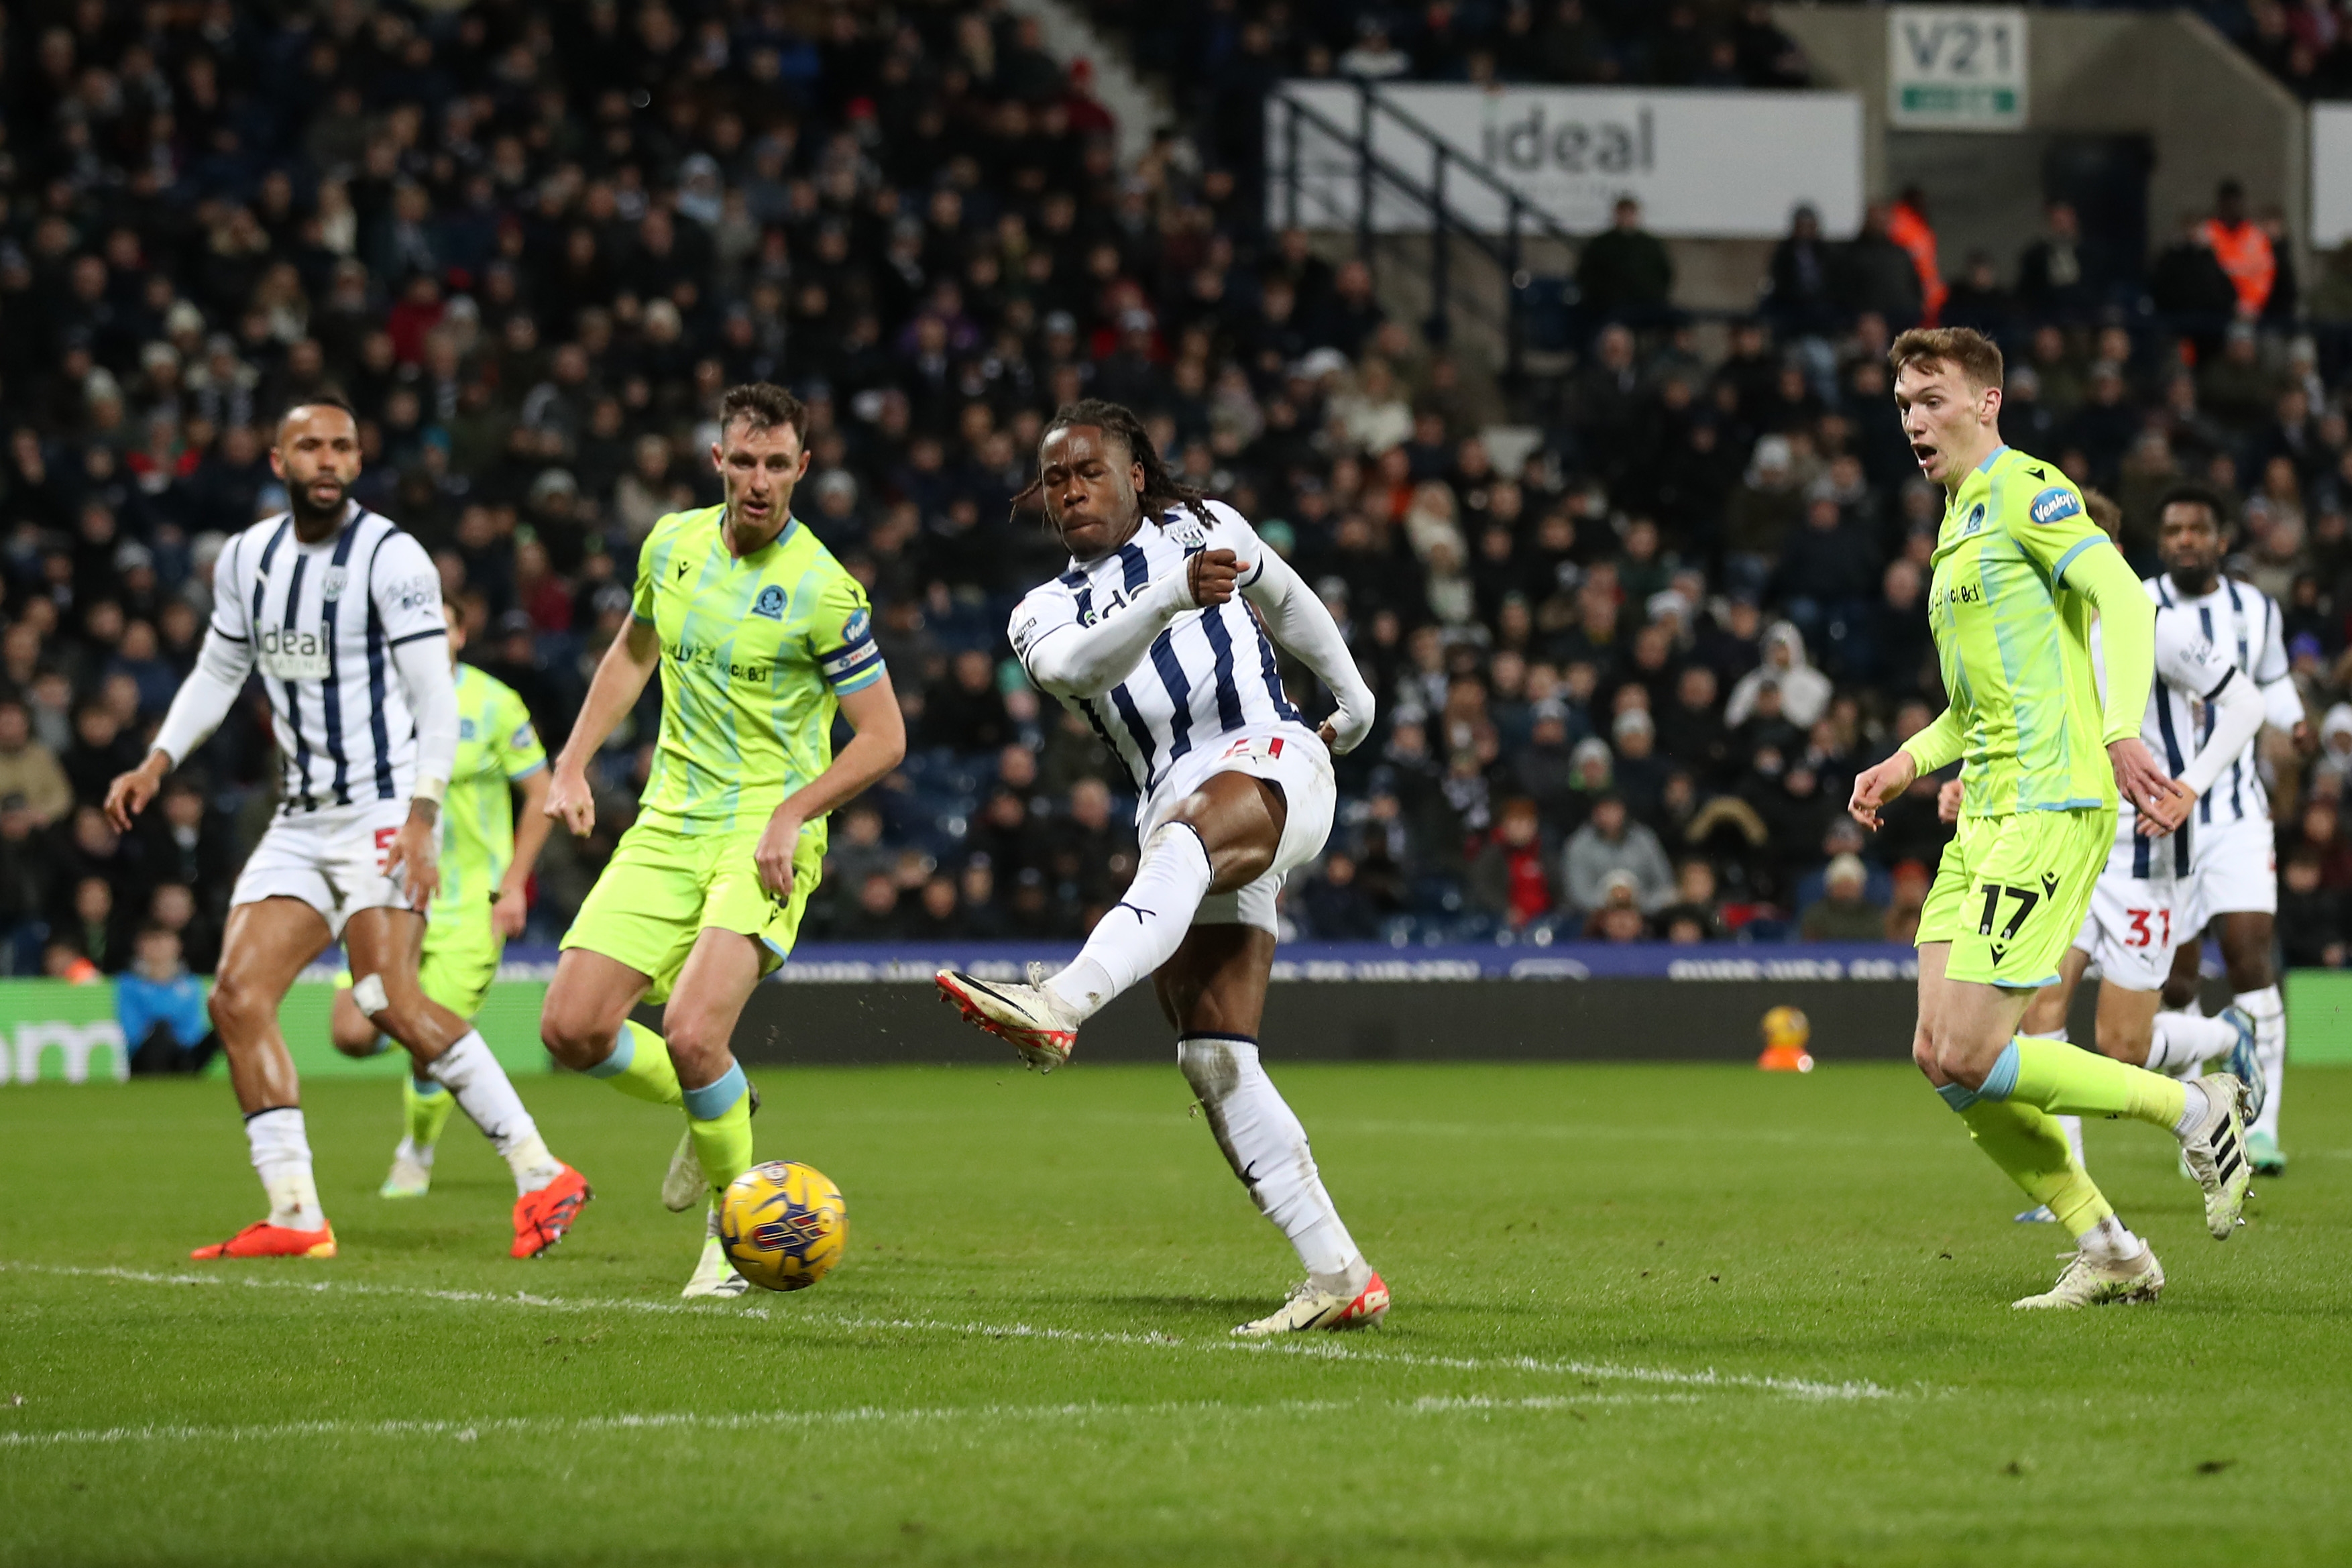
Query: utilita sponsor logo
[1536,141]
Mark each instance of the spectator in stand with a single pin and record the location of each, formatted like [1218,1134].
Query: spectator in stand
[2310,913]
[1510,878]
[2055,277]
[1843,912]
[1612,841]
[161,1008]
[1624,273]
[29,770]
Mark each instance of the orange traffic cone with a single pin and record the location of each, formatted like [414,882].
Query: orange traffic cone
[1786,1034]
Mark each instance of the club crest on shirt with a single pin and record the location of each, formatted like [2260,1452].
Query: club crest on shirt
[770,602]
[332,582]
[1975,519]
[465,729]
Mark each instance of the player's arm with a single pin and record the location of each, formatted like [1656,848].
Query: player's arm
[197,709]
[2096,570]
[1296,618]
[620,678]
[422,661]
[404,590]
[1936,745]
[1069,658]
[878,744]
[849,660]
[2282,702]
[2186,661]
[526,771]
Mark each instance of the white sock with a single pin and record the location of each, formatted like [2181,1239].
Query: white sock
[470,1071]
[2110,1240]
[2269,1014]
[1142,930]
[2182,1043]
[408,1149]
[280,1144]
[1267,1150]
[2194,1105]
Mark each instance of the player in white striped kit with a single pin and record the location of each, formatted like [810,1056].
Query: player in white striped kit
[1146,638]
[339,613]
[2234,876]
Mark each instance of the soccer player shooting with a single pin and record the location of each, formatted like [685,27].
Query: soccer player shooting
[2020,571]
[1153,635]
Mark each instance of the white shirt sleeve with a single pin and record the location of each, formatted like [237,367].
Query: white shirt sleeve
[2185,659]
[1297,619]
[232,615]
[1069,658]
[406,589]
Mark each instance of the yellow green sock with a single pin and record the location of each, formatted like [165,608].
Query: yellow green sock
[425,1105]
[2065,1080]
[640,1067]
[2030,1146]
[720,1117]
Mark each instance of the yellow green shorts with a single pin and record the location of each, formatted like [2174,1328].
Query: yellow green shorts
[460,961]
[2010,893]
[663,886]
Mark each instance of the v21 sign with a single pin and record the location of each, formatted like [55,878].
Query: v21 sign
[1955,67]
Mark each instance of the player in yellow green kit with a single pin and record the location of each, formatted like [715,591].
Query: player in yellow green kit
[487,855]
[2019,571]
[761,637]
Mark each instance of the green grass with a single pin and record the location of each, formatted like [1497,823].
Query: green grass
[1024,1358]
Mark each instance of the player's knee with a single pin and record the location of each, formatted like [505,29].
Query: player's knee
[2125,1045]
[569,1037]
[235,1005]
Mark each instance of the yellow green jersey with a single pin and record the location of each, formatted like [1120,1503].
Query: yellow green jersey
[2020,572]
[496,746]
[755,656]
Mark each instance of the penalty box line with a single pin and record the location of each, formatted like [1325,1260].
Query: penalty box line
[1076,1414]
[1320,1349]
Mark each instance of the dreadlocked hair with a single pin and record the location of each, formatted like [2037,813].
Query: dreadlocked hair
[1160,491]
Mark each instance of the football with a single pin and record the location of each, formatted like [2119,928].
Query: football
[784,1224]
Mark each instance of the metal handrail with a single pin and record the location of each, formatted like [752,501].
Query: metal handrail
[1518,213]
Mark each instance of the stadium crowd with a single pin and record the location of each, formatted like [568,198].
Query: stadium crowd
[1627,669]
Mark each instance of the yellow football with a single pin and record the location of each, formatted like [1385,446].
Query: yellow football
[784,1224]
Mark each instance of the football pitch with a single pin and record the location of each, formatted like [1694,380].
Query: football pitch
[1657,1315]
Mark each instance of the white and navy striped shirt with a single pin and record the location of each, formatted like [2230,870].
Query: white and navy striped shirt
[319,623]
[2191,672]
[1209,676]
[2242,622]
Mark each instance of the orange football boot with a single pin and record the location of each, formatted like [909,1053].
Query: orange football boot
[541,1218]
[262,1239]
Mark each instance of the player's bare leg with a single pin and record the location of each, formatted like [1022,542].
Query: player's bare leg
[587,1025]
[267,943]
[1222,836]
[424,1103]
[1214,991]
[381,946]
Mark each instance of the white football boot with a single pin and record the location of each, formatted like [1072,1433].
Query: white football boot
[1027,1017]
[2088,1281]
[1311,1306]
[2215,1151]
[713,1275]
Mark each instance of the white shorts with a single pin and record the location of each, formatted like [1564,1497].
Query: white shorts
[332,860]
[2132,925]
[1297,762]
[2233,870]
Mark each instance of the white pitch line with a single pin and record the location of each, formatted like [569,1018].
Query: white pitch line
[773,1420]
[1320,1349]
